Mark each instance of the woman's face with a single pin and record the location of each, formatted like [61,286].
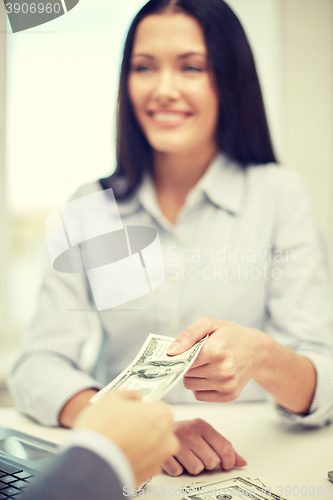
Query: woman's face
[170,84]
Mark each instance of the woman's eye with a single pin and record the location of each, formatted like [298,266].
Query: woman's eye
[142,68]
[192,69]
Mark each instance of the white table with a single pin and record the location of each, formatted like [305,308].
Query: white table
[282,455]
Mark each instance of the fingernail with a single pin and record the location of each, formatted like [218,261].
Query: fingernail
[173,348]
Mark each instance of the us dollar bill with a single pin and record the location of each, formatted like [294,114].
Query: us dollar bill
[153,372]
[237,487]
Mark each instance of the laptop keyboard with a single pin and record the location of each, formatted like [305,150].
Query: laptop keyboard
[13,480]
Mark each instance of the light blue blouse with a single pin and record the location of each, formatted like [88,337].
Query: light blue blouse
[246,248]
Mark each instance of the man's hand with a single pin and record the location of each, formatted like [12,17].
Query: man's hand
[143,431]
[201,447]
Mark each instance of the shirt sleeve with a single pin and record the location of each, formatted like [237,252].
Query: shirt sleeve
[299,305]
[105,449]
[49,371]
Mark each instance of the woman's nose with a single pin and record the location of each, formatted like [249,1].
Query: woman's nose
[167,88]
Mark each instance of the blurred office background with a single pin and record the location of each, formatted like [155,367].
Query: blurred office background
[58,87]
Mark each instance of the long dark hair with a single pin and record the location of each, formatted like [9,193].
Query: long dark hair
[242,132]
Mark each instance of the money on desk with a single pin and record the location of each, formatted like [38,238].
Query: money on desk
[237,487]
[153,372]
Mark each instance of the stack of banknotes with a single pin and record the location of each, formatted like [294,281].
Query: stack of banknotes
[237,487]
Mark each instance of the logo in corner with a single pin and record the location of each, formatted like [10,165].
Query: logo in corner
[27,14]
[121,263]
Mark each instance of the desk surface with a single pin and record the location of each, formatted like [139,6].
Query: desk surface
[281,455]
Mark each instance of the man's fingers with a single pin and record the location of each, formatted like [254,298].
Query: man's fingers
[172,467]
[190,336]
[155,470]
[133,395]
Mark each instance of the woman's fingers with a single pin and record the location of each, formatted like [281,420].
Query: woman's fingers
[195,453]
[172,467]
[202,447]
[216,396]
[206,454]
[190,461]
[240,461]
[224,383]
[223,448]
[223,390]
[190,336]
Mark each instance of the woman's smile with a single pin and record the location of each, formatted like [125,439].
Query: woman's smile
[169,118]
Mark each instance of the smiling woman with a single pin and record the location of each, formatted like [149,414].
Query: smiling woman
[174,98]
[195,161]
[206,71]
[171,86]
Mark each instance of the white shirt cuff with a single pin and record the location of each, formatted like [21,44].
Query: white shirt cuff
[105,449]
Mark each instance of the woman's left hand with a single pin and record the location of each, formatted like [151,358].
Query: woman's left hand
[201,447]
[231,356]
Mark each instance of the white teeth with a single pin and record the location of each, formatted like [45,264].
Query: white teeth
[168,117]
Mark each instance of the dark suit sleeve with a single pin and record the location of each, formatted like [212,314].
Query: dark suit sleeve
[76,474]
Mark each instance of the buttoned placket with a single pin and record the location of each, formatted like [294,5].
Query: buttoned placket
[179,236]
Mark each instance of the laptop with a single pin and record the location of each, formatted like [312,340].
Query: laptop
[22,457]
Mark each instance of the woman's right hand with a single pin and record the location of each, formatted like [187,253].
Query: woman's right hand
[74,406]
